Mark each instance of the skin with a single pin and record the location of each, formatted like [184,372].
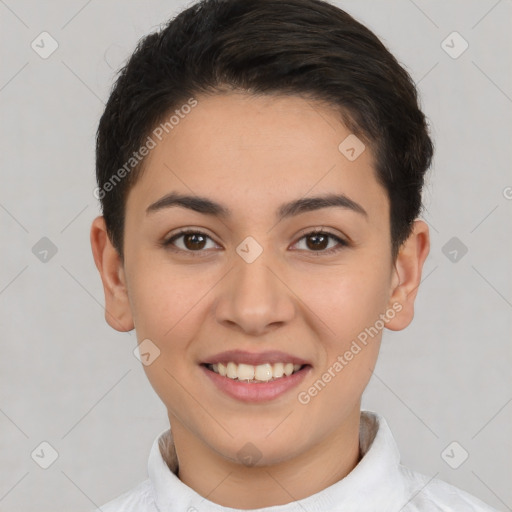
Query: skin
[252,154]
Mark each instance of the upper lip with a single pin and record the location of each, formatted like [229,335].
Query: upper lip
[241,356]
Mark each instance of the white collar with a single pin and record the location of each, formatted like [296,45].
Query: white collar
[376,483]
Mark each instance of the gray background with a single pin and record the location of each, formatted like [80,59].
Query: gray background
[68,379]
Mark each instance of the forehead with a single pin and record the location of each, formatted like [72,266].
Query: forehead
[258,151]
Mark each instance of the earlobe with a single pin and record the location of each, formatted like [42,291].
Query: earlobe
[108,262]
[407,276]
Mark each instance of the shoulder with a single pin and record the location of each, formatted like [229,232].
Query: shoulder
[138,499]
[429,494]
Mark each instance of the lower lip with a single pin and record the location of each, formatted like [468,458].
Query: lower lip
[256,391]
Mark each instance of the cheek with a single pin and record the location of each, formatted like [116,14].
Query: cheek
[346,299]
[350,344]
[349,305]
[164,298]
[166,309]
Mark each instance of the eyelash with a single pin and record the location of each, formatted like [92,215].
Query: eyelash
[200,253]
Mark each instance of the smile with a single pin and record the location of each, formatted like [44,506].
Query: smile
[261,373]
[242,381]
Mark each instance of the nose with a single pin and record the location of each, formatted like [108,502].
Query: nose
[254,297]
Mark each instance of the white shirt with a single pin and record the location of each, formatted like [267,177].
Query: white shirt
[378,483]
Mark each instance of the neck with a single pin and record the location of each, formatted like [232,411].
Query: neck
[235,485]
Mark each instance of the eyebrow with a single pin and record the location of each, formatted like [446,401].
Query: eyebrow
[206,206]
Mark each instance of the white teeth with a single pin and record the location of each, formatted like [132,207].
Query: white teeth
[221,369]
[231,371]
[245,372]
[278,370]
[261,373]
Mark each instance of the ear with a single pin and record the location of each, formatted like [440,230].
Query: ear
[117,306]
[407,278]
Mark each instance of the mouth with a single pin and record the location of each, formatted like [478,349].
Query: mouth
[254,374]
[254,378]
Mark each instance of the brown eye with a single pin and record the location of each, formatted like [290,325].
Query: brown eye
[191,242]
[194,242]
[318,241]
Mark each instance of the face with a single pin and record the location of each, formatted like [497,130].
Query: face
[257,278]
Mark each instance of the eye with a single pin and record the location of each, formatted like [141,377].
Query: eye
[193,242]
[318,240]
